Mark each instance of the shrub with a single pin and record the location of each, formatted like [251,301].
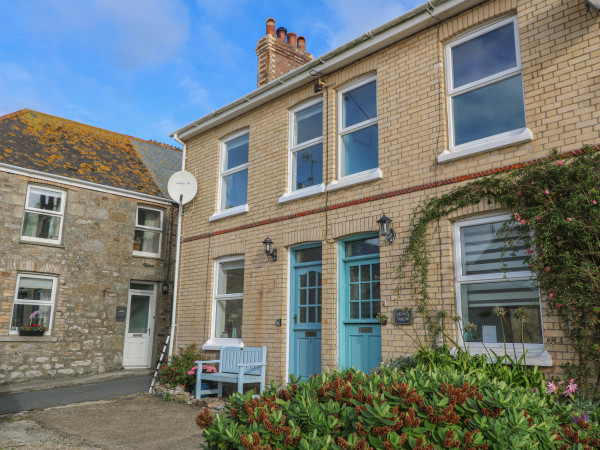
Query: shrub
[175,373]
[426,406]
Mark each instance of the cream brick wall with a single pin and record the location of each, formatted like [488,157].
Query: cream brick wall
[560,53]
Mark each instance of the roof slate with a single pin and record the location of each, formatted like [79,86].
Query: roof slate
[57,146]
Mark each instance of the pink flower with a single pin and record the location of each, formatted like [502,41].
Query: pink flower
[551,296]
[523,222]
[571,388]
[519,193]
[209,369]
[560,163]
[529,251]
[559,305]
[34,314]
[538,218]
[547,192]
[547,268]
[551,388]
[594,202]
[193,371]
[569,219]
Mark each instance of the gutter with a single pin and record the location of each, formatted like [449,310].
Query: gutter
[408,24]
[83,184]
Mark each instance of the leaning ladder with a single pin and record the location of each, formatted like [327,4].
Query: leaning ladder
[162,355]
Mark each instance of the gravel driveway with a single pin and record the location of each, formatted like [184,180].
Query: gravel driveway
[129,422]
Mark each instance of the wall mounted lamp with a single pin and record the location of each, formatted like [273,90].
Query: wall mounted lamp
[165,287]
[269,251]
[385,229]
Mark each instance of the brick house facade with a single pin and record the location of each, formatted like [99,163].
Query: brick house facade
[81,211]
[398,106]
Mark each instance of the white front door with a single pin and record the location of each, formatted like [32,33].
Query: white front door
[139,328]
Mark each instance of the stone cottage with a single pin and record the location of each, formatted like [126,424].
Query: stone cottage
[85,247]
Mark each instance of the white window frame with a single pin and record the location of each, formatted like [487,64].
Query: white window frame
[292,193]
[147,228]
[61,213]
[215,343]
[365,175]
[500,140]
[536,353]
[20,301]
[227,212]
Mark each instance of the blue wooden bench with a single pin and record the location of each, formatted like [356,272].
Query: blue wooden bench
[236,365]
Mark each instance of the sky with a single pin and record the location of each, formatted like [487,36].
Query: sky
[148,67]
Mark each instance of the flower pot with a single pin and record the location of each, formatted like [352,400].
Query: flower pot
[31,332]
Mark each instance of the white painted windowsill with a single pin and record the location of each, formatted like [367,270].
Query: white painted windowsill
[229,212]
[482,145]
[536,355]
[302,193]
[217,343]
[357,178]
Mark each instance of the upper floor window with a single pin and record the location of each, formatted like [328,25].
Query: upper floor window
[306,147]
[33,302]
[148,232]
[485,87]
[229,298]
[358,134]
[43,218]
[494,284]
[234,171]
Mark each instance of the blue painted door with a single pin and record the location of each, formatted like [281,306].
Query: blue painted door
[360,332]
[306,305]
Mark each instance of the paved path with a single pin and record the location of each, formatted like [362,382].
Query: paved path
[42,399]
[138,421]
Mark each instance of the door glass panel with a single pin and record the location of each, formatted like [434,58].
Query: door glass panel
[353,274]
[319,314]
[354,292]
[306,255]
[311,297]
[138,316]
[354,310]
[365,291]
[302,315]
[312,278]
[365,310]
[302,280]
[363,247]
[365,273]
[302,294]
[311,315]
[376,293]
[376,307]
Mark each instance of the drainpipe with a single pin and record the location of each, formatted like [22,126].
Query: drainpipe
[177,253]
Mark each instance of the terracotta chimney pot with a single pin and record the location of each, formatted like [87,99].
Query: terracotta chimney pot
[302,43]
[281,33]
[291,39]
[271,26]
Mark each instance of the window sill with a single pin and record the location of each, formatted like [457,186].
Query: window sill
[43,243]
[491,143]
[357,178]
[302,193]
[229,212]
[536,354]
[17,338]
[217,343]
[145,255]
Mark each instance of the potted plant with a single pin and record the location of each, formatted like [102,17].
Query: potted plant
[34,328]
[234,320]
[382,318]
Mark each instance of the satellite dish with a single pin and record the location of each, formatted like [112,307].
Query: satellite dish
[182,187]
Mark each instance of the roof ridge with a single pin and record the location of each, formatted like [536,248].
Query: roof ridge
[14,114]
[153,142]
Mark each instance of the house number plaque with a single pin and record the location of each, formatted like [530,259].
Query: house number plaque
[365,329]
[121,313]
[403,316]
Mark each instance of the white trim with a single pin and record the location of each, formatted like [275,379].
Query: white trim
[229,212]
[288,314]
[294,148]
[213,340]
[147,228]
[490,143]
[505,139]
[370,42]
[460,279]
[225,172]
[355,84]
[32,210]
[356,178]
[302,193]
[18,301]
[82,184]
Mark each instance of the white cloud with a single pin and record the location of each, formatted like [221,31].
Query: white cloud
[196,94]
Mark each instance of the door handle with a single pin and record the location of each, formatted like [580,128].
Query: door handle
[295,318]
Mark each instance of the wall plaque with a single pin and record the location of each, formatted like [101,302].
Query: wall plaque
[403,316]
[121,313]
[365,329]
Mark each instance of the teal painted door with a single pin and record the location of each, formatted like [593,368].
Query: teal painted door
[360,332]
[306,304]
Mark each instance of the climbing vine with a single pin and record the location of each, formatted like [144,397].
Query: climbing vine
[556,201]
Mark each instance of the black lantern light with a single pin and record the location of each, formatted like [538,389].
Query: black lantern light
[269,251]
[165,287]
[385,229]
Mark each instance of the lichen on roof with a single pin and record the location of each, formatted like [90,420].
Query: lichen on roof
[38,141]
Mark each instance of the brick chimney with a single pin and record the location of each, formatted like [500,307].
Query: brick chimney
[279,52]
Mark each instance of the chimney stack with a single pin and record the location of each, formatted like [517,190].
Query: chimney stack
[279,52]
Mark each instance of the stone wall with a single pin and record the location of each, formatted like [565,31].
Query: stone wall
[94,266]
